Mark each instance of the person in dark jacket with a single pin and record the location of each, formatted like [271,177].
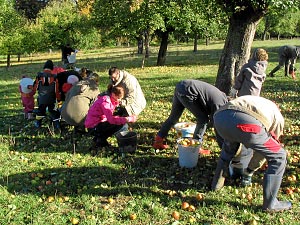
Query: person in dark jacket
[65,52]
[46,84]
[287,57]
[201,99]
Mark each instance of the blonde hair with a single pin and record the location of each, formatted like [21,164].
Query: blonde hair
[260,54]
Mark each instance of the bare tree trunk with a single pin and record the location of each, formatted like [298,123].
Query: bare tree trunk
[195,42]
[140,44]
[267,28]
[8,61]
[147,44]
[236,49]
[162,54]
[207,41]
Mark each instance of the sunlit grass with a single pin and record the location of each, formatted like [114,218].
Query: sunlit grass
[44,180]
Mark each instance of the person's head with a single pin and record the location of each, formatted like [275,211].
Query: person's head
[94,77]
[48,65]
[117,92]
[114,74]
[72,79]
[260,54]
[83,72]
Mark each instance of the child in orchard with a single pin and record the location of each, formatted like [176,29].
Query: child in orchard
[101,121]
[27,96]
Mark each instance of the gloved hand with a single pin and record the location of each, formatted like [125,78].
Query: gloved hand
[233,93]
[293,74]
[59,104]
[131,119]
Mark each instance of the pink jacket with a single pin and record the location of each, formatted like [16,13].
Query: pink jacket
[27,100]
[101,111]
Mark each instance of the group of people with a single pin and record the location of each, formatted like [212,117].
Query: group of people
[247,127]
[75,98]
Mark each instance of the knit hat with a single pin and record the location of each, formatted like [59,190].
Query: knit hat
[24,84]
[49,65]
[72,79]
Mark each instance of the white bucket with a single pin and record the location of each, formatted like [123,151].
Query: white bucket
[185,129]
[188,155]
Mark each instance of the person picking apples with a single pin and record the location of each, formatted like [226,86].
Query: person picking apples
[257,123]
[201,99]
[101,121]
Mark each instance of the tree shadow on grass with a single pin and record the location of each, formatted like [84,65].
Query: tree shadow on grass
[134,173]
[137,176]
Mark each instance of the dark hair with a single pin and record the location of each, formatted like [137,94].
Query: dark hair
[83,72]
[113,70]
[49,65]
[118,90]
[94,76]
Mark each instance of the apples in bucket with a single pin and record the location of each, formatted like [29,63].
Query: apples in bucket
[188,152]
[188,142]
[185,129]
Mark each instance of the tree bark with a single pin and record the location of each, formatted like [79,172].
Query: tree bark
[147,43]
[8,61]
[195,42]
[162,54]
[237,48]
[140,44]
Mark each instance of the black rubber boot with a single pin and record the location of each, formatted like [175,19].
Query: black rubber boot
[220,174]
[271,185]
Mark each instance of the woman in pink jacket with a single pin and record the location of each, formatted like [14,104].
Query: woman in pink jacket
[101,121]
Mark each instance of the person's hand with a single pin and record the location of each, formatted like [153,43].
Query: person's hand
[233,93]
[131,119]
[59,104]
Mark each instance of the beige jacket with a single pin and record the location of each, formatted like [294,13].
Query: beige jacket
[134,100]
[260,108]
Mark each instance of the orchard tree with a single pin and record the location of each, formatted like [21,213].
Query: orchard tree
[150,18]
[244,17]
[288,25]
[11,24]
[279,23]
[207,21]
[30,8]
[59,21]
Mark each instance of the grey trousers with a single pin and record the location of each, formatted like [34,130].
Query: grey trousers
[237,127]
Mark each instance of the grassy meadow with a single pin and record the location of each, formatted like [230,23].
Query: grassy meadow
[45,180]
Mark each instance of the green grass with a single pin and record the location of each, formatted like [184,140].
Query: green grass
[44,181]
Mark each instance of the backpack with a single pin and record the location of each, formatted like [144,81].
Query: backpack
[46,86]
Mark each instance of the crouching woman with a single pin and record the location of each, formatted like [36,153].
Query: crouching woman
[101,121]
